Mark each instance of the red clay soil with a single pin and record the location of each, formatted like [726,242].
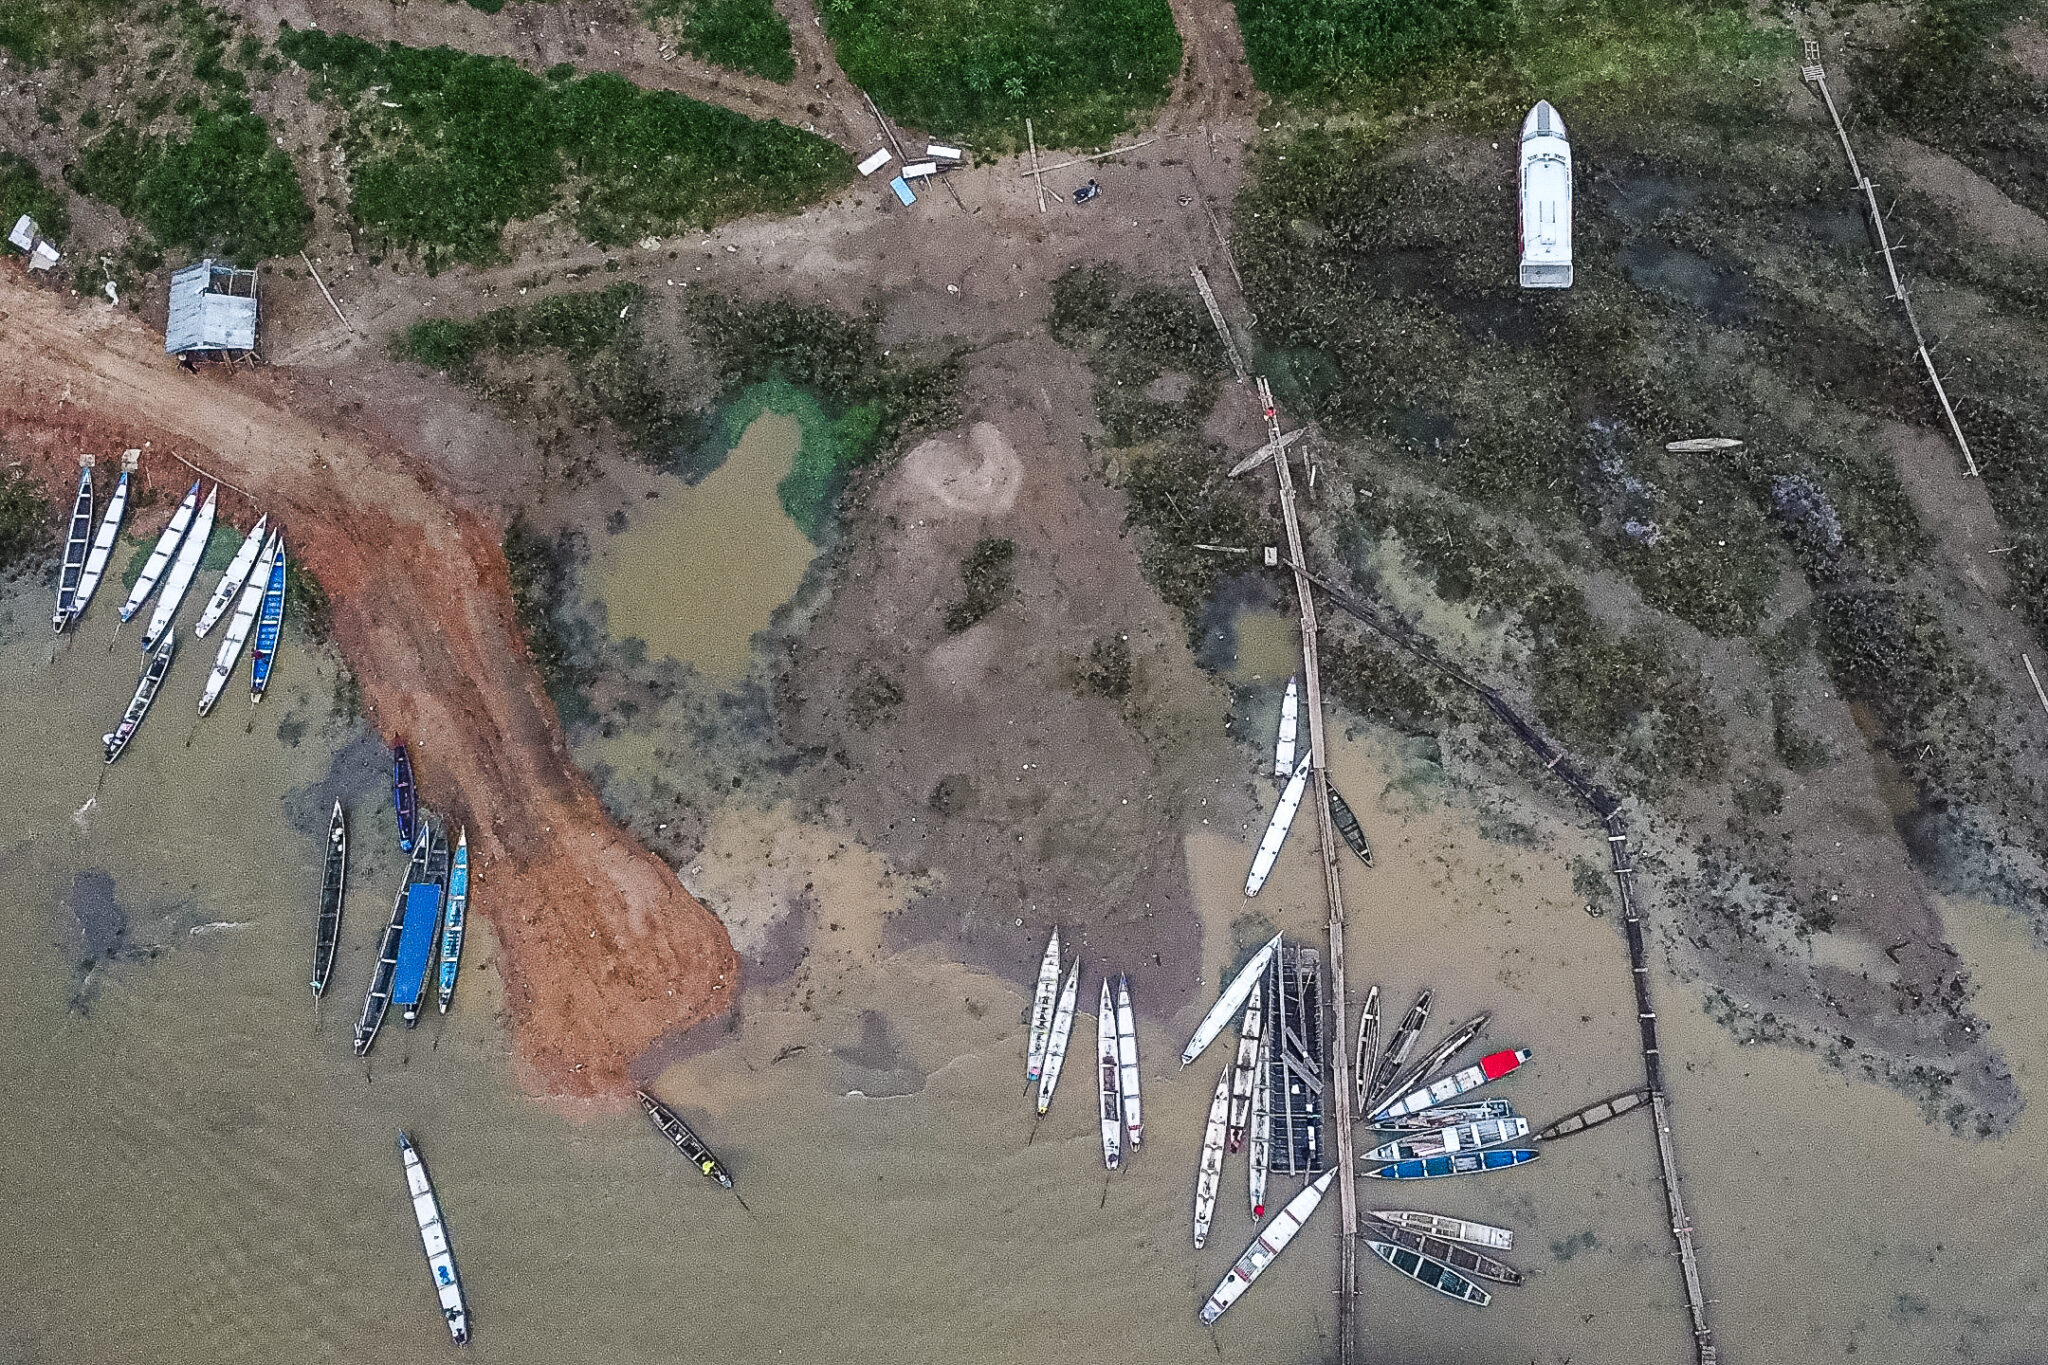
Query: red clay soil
[603,950]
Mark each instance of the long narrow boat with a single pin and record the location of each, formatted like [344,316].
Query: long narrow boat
[1460,1137]
[269,626]
[1209,1176]
[1056,1042]
[424,900]
[1230,1002]
[167,546]
[1266,1247]
[1127,1063]
[153,672]
[1368,1044]
[671,1126]
[1462,1258]
[1403,1043]
[179,580]
[1451,1229]
[402,798]
[1283,748]
[102,549]
[1109,1090]
[75,545]
[1595,1114]
[333,886]
[426,1208]
[1276,831]
[1347,825]
[1259,1144]
[1486,1070]
[239,626]
[455,922]
[1454,1042]
[1242,1070]
[1447,1116]
[1043,998]
[1545,182]
[378,1000]
[1457,1163]
[231,582]
[1430,1271]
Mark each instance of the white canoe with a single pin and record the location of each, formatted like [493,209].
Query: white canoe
[1276,832]
[1459,1137]
[160,558]
[1453,1229]
[182,570]
[1259,1145]
[426,1208]
[1266,1248]
[1546,193]
[1489,1068]
[1056,1042]
[231,582]
[1368,1044]
[1242,1071]
[1109,1091]
[1042,1001]
[102,549]
[1230,1002]
[1127,1062]
[239,626]
[1209,1178]
[1290,712]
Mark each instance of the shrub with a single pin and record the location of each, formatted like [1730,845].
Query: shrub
[224,188]
[22,191]
[746,35]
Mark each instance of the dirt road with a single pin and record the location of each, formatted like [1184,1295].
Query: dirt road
[604,951]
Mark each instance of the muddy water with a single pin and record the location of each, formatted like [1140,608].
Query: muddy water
[195,1168]
[698,571]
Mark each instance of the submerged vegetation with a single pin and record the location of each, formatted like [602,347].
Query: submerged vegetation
[25,525]
[446,149]
[746,35]
[540,568]
[1079,69]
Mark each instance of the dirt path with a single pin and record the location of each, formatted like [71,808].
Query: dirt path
[604,952]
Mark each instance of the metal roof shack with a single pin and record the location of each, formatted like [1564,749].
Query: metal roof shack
[213,311]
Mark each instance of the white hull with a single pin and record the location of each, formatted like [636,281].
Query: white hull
[182,570]
[1276,832]
[1368,1044]
[1545,188]
[1108,1087]
[1452,1229]
[426,1208]
[1042,1001]
[1056,1043]
[102,549]
[1260,1143]
[239,627]
[1127,1062]
[160,558]
[1230,1002]
[1461,1137]
[1487,1070]
[1210,1178]
[1247,1064]
[1290,712]
[1266,1248]
[238,571]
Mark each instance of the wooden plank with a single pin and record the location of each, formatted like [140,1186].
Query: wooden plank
[1036,174]
[1222,327]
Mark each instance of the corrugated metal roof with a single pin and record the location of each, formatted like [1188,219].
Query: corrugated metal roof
[202,320]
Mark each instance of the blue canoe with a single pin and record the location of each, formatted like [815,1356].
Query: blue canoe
[268,625]
[422,927]
[402,798]
[451,936]
[1457,1163]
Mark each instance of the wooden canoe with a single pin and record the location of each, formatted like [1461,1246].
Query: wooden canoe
[1460,1257]
[333,885]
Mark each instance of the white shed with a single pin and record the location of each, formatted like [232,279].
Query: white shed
[213,310]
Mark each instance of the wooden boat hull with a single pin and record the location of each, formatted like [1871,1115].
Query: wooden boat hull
[72,569]
[671,1126]
[402,799]
[1062,1032]
[456,922]
[1346,821]
[235,578]
[1447,1116]
[1459,1163]
[1426,1270]
[1450,1229]
[1403,1042]
[1243,1070]
[1466,1260]
[146,689]
[333,887]
[240,625]
[1209,1177]
[1043,999]
[167,547]
[183,568]
[1462,1137]
[1368,1044]
[1109,1085]
[1487,1070]
[1439,1056]
[1266,1248]
[1230,1002]
[1290,725]
[1259,1143]
[1127,1063]
[426,1207]
[1595,1114]
[102,550]
[377,1002]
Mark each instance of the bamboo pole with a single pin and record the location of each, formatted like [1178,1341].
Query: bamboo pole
[1092,156]
[325,295]
[1036,174]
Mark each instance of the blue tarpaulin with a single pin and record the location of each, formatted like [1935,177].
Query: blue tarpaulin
[902,188]
[416,943]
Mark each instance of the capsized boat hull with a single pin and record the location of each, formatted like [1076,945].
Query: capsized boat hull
[234,578]
[240,626]
[167,546]
[1229,1002]
[1276,829]
[1062,1031]
[179,580]
[1283,747]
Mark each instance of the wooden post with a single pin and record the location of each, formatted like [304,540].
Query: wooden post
[1036,174]
[325,295]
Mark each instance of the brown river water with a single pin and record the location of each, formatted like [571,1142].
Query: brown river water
[194,1167]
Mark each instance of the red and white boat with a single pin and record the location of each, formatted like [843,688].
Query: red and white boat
[1546,192]
[1489,1068]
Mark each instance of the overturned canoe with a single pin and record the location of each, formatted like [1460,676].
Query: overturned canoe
[75,545]
[1451,1229]
[1209,1177]
[146,689]
[1109,1088]
[671,1126]
[1461,1258]
[1230,1002]
[1458,1163]
[426,1207]
[1461,1137]
[179,579]
[234,579]
[333,885]
[1266,1248]
[1430,1271]
[1276,829]
[1043,998]
[167,546]
[102,550]
[1127,1063]
[1056,1042]
[1485,1071]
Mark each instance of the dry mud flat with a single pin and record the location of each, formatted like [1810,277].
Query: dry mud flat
[604,951]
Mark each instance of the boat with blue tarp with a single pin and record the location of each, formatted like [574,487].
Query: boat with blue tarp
[422,927]
[1455,1163]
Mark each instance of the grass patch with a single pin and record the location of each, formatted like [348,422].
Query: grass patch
[22,191]
[476,143]
[1175,492]
[38,33]
[306,604]
[988,578]
[1081,70]
[26,520]
[540,569]
[746,35]
[1106,669]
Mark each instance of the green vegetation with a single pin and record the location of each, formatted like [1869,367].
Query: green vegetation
[306,603]
[40,32]
[976,69]
[476,143]
[540,569]
[22,191]
[830,447]
[1175,492]
[746,35]
[223,188]
[988,578]
[25,520]
[1156,357]
[1106,669]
